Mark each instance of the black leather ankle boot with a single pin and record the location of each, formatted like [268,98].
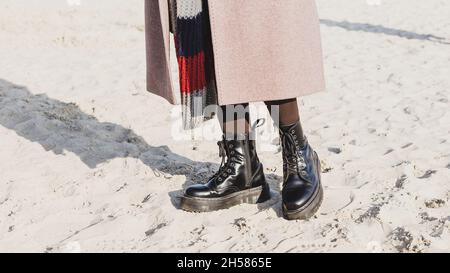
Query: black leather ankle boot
[302,191]
[240,179]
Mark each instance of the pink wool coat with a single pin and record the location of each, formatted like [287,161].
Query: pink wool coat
[263,49]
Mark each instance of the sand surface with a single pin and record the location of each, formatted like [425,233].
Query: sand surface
[88,162]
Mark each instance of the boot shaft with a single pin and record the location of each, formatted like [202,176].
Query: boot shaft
[242,152]
[293,132]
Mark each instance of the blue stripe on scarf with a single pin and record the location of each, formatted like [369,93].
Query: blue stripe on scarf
[190,35]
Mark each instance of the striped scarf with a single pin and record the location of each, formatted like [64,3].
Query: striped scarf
[190,24]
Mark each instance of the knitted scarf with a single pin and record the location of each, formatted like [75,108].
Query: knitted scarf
[190,25]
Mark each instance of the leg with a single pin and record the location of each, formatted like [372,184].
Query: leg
[234,120]
[240,178]
[302,190]
[287,111]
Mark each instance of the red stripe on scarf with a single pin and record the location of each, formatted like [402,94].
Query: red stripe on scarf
[192,73]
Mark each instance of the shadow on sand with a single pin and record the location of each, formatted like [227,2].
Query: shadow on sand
[364,27]
[59,126]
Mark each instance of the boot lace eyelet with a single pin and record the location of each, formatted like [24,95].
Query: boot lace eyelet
[220,179]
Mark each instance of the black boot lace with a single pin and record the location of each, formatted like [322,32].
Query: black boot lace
[228,155]
[294,160]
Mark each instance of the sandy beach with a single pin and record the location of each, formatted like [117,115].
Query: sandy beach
[88,161]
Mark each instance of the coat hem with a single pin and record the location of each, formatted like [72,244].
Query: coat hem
[274,98]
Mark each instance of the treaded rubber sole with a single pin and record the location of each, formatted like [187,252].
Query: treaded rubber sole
[313,205]
[255,195]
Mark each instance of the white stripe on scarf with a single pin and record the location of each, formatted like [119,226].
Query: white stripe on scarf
[187,9]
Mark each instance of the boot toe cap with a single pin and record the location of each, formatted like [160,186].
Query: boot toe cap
[198,191]
[296,198]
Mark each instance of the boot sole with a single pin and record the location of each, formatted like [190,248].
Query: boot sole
[255,195]
[310,208]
